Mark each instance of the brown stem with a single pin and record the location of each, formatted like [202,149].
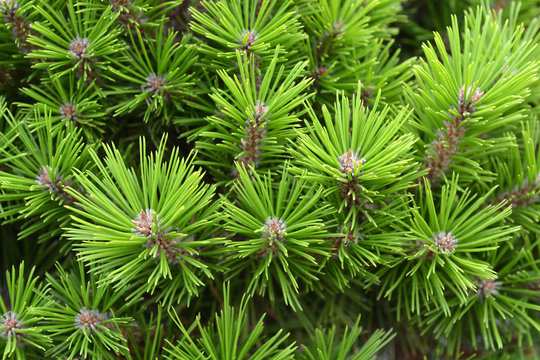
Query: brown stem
[438,156]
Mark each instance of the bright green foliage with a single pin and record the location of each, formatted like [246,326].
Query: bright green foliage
[510,300]
[359,248]
[326,20]
[255,119]
[83,319]
[466,95]
[346,46]
[145,337]
[229,338]
[39,171]
[80,41]
[518,177]
[68,102]
[329,346]
[129,221]
[252,26]
[20,328]
[277,233]
[440,257]
[360,157]
[363,175]
[138,14]
[160,74]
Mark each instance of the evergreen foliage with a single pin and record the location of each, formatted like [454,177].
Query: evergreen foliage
[269,179]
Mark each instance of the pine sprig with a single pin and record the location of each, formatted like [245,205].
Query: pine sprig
[41,164]
[441,258]
[256,119]
[337,26]
[253,27]
[277,234]
[21,332]
[147,224]
[82,318]
[358,154]
[69,102]
[158,67]
[81,42]
[499,310]
[469,91]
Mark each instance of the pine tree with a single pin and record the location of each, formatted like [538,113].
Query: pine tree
[269,179]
